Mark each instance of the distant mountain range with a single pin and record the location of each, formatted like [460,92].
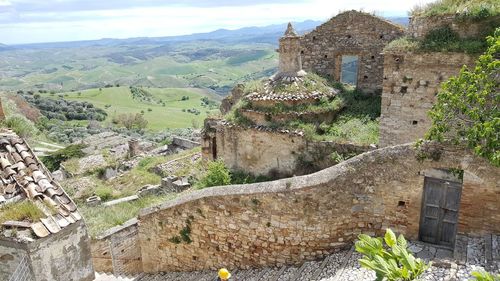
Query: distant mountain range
[267,34]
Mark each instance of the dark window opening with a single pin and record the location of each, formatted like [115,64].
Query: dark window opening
[349,36]
[373,57]
[349,70]
[302,52]
[404,90]
[195,258]
[414,122]
[214,148]
[314,38]
[366,77]
[401,204]
[381,36]
[326,56]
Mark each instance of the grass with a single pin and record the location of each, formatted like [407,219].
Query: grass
[438,40]
[101,218]
[468,9]
[119,100]
[20,211]
[357,120]
[130,182]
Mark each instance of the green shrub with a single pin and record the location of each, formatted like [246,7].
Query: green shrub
[53,160]
[485,276]
[470,9]
[104,192]
[21,125]
[444,39]
[217,174]
[241,177]
[391,261]
[467,106]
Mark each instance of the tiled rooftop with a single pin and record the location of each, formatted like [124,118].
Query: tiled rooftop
[24,177]
[272,92]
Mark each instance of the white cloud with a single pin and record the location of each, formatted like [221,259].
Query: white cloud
[177,20]
[5,3]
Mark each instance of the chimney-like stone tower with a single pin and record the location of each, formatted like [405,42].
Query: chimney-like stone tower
[133,147]
[290,62]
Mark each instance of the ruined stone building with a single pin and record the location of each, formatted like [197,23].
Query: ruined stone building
[349,47]
[43,236]
[436,193]
[412,79]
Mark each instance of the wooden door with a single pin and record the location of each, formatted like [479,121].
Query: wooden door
[440,206]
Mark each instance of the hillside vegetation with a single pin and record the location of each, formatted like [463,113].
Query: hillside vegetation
[163,108]
[212,65]
[474,9]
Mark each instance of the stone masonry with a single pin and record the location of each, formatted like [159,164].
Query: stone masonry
[411,83]
[350,33]
[118,250]
[277,153]
[304,218]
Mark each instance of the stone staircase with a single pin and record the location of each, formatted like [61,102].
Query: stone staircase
[471,254]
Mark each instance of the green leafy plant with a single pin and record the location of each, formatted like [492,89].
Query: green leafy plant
[53,160]
[217,174]
[391,261]
[485,276]
[467,106]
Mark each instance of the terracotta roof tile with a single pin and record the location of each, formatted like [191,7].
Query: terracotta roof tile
[24,177]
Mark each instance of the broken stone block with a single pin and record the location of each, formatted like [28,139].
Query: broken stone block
[181,185]
[58,175]
[149,190]
[167,183]
[109,173]
[93,201]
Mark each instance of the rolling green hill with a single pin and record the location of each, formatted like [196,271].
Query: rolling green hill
[173,114]
[209,65]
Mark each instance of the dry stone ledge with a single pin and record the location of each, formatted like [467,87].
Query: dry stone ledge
[121,200]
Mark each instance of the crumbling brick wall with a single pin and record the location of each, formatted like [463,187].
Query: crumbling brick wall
[350,33]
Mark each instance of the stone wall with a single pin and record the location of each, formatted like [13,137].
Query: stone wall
[304,218]
[420,26]
[411,83]
[11,257]
[62,256]
[278,153]
[184,143]
[350,33]
[118,250]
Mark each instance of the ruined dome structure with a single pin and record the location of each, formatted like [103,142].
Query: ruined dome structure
[291,86]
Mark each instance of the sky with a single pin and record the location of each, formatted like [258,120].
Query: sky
[30,21]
